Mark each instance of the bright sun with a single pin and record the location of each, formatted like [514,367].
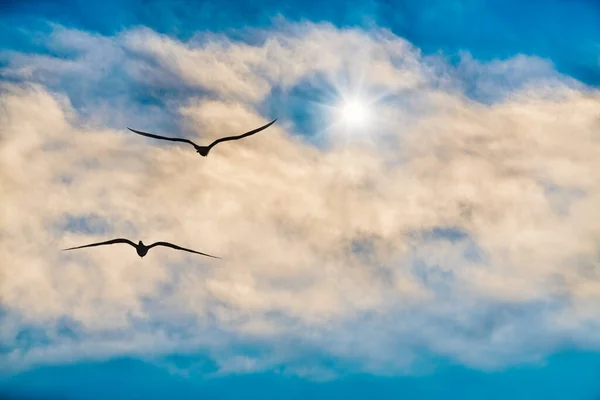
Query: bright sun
[355,113]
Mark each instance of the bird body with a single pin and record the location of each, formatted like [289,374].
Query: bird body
[204,150]
[140,248]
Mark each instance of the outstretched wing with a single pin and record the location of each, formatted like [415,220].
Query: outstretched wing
[150,135]
[252,132]
[166,244]
[103,243]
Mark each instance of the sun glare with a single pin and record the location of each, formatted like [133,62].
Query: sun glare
[355,113]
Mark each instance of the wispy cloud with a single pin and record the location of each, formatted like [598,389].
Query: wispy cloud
[467,228]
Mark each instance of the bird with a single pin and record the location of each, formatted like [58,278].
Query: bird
[203,150]
[141,248]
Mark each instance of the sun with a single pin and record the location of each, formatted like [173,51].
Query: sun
[354,113]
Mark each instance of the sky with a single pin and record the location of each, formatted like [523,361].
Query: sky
[440,240]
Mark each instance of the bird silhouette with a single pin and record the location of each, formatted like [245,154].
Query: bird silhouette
[141,248]
[203,150]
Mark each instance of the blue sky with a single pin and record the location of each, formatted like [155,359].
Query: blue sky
[446,249]
[565,32]
[565,376]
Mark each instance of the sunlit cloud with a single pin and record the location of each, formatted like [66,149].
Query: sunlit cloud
[466,225]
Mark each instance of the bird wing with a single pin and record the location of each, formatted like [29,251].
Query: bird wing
[150,135]
[103,243]
[166,244]
[252,132]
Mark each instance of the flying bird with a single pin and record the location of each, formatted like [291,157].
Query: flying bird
[203,150]
[141,248]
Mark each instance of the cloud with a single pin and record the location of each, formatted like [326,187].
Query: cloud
[464,227]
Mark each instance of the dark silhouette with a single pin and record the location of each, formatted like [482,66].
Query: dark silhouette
[203,150]
[141,248]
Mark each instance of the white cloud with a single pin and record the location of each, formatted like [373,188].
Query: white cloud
[516,179]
